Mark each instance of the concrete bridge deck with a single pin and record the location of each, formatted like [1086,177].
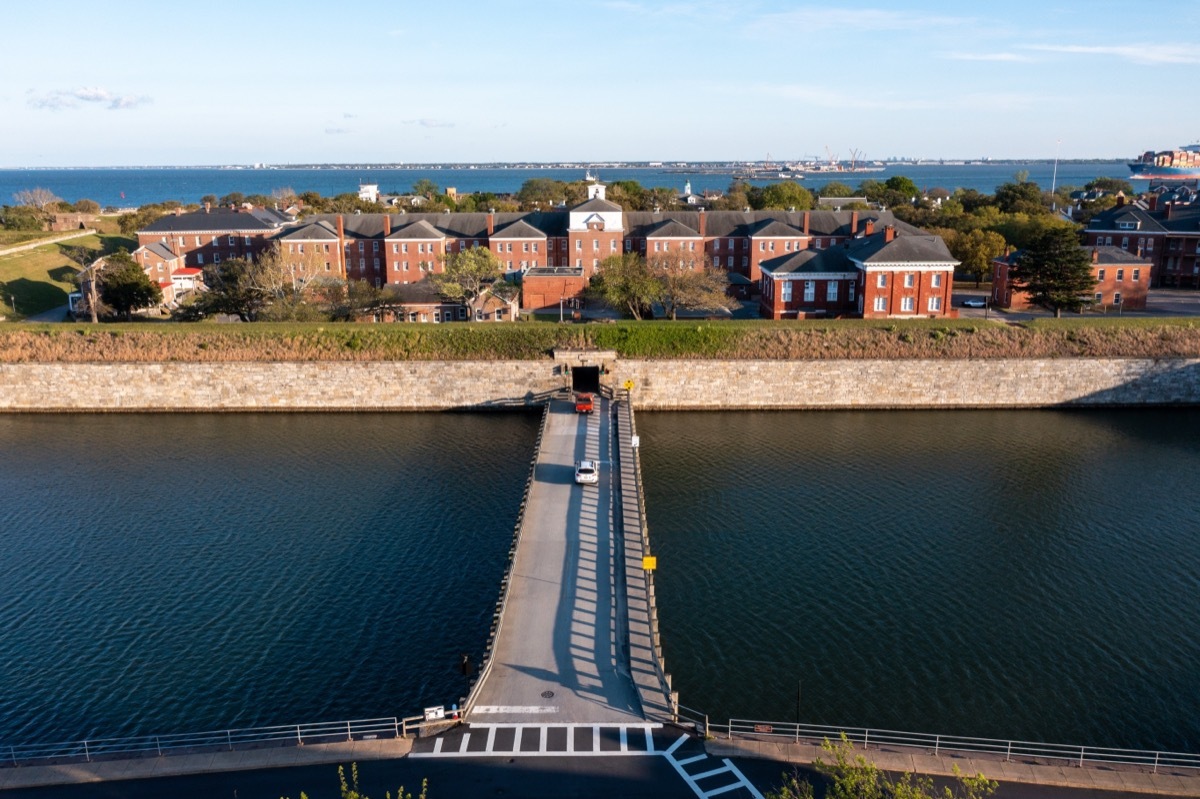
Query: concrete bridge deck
[562,651]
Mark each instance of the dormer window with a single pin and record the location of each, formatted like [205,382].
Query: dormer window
[1127,225]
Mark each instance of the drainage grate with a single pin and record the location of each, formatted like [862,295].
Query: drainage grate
[547,694]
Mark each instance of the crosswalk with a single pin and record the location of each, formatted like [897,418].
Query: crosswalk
[706,776]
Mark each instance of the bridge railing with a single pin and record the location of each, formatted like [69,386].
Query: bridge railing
[213,740]
[485,666]
[936,744]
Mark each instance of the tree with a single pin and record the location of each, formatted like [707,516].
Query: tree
[852,776]
[688,283]
[1022,197]
[233,198]
[38,198]
[626,282]
[1110,185]
[85,257]
[465,275]
[86,206]
[835,188]
[782,195]
[125,287]
[21,217]
[233,288]
[541,193]
[1055,271]
[976,249]
[426,188]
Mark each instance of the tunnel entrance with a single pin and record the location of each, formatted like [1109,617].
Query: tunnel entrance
[586,378]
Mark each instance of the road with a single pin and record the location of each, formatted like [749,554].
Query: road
[561,654]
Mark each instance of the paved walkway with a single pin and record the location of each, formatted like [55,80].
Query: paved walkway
[561,654]
[206,763]
[1167,782]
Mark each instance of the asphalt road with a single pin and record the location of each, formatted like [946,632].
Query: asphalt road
[559,656]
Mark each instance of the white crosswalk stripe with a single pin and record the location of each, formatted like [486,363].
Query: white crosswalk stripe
[541,740]
[705,771]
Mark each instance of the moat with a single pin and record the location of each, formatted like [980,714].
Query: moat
[1003,574]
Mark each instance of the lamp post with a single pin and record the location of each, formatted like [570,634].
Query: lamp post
[560,308]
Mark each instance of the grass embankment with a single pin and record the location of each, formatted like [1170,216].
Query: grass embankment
[40,279]
[808,340]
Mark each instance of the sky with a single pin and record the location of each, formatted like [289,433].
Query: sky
[220,82]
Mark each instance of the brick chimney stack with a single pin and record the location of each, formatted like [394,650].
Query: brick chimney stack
[869,227]
[491,220]
[806,215]
[1120,199]
[1152,202]
[853,224]
[702,221]
[387,225]
[207,207]
[889,233]
[1095,256]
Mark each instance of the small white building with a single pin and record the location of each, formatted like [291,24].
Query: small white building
[368,192]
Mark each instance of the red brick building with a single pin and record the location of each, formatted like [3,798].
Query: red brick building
[1122,280]
[213,235]
[1163,229]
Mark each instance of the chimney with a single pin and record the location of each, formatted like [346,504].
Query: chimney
[1120,199]
[1095,256]
[342,243]
[806,213]
[207,207]
[387,225]
[869,227]
[1170,210]
[491,221]
[853,224]
[702,225]
[1152,202]
[889,233]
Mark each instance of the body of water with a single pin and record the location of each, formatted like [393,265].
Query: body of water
[138,186]
[166,573]
[1016,574]
[1007,574]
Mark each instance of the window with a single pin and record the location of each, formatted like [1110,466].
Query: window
[819,244]
[881,282]
[880,304]
[535,246]
[199,257]
[612,246]
[216,257]
[908,280]
[1137,275]
[247,241]
[1120,275]
[716,245]
[810,290]
[406,266]
[935,280]
[376,264]
[1100,275]
[771,246]
[361,246]
[1117,298]
[328,266]
[935,303]
[231,241]
[745,261]
[850,291]
[762,246]
[831,291]
[362,264]
[420,249]
[691,246]
[197,241]
[524,246]
[907,304]
[716,261]
[628,245]
[1099,298]
[1124,242]
[729,261]
[785,291]
[656,246]
[579,245]
[1150,243]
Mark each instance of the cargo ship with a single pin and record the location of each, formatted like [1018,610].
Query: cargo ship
[1169,164]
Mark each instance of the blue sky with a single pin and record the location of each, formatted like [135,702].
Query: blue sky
[218,82]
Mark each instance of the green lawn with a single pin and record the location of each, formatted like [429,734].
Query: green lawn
[38,280]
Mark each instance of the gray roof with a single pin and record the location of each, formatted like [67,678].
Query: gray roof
[161,250]
[596,204]
[423,292]
[773,228]
[219,219]
[811,261]
[421,229]
[671,229]
[875,251]
[518,230]
[316,231]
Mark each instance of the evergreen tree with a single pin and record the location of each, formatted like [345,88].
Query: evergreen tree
[1055,271]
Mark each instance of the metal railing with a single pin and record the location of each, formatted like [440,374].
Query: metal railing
[218,740]
[937,744]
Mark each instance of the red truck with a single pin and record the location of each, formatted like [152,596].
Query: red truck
[584,403]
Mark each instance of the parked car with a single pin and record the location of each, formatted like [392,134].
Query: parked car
[584,403]
[974,302]
[587,473]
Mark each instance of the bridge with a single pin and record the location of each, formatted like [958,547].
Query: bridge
[575,636]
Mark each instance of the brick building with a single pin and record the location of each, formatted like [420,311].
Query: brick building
[212,235]
[1164,229]
[1122,280]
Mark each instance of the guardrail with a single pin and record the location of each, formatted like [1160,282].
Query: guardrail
[485,666]
[936,744]
[227,740]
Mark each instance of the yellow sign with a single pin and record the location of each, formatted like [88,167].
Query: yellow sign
[629,385]
[649,563]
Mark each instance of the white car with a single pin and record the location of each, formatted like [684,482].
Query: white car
[587,473]
[974,302]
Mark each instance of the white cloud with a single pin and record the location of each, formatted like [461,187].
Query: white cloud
[1144,54]
[336,131]
[60,99]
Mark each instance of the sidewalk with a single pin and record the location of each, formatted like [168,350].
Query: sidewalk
[1130,779]
[176,765]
